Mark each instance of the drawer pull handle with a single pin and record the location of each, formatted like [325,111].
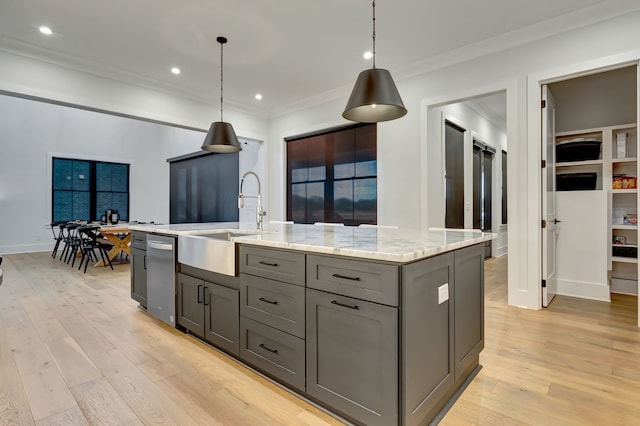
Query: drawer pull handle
[344,277]
[199,288]
[275,265]
[265,347]
[344,305]
[273,302]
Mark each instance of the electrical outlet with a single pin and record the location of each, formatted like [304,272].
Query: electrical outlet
[443,293]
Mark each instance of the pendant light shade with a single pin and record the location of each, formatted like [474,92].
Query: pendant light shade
[221,138]
[374,97]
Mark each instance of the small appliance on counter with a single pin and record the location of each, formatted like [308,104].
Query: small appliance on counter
[111,216]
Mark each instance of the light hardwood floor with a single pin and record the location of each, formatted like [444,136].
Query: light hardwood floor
[75,349]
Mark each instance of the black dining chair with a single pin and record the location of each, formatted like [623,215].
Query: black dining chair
[56,230]
[65,231]
[73,243]
[89,242]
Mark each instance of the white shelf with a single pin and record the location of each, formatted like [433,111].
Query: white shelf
[625,191]
[629,227]
[578,163]
[624,259]
[624,245]
[624,160]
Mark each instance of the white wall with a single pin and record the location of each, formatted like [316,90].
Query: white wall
[252,159]
[32,132]
[479,128]
[402,144]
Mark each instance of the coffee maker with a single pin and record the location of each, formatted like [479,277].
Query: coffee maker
[111,216]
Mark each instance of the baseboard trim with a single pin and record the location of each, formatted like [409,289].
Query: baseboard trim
[585,290]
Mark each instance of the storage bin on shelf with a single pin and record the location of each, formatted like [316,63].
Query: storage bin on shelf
[624,251]
[576,181]
[578,149]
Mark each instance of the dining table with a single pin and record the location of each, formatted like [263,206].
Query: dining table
[120,236]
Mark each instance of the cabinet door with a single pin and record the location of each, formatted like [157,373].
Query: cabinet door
[352,357]
[139,276]
[222,316]
[469,308]
[427,336]
[190,303]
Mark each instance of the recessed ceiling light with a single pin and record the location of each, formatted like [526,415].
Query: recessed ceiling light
[258,96]
[368,55]
[175,70]
[45,30]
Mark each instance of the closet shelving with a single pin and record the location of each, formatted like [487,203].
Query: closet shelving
[617,173]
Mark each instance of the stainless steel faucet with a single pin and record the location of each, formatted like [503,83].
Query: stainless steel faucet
[260,214]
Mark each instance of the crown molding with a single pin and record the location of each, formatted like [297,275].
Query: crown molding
[478,107]
[541,30]
[106,71]
[558,25]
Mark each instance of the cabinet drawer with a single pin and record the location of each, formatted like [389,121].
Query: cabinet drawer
[139,240]
[375,282]
[274,264]
[276,353]
[274,303]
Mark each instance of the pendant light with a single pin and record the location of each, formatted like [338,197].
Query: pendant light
[221,137]
[374,97]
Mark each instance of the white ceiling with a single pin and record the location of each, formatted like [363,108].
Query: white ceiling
[288,50]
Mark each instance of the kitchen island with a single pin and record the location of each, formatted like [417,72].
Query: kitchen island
[381,326]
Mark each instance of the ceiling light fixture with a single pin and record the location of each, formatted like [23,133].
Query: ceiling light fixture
[258,96]
[221,137]
[368,54]
[374,97]
[175,70]
[45,30]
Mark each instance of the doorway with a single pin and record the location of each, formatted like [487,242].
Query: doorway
[454,175]
[483,156]
[593,148]
[451,131]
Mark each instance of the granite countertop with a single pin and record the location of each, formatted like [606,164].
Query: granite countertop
[393,245]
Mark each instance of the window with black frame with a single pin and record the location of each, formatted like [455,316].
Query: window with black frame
[84,189]
[332,176]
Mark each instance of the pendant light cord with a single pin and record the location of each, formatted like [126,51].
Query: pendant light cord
[221,78]
[374,33]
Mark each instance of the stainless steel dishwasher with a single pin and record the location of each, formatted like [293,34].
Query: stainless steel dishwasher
[161,278]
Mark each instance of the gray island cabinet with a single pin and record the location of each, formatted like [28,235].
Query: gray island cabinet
[139,267]
[377,337]
[207,306]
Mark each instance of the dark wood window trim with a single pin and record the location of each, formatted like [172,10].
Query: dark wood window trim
[332,175]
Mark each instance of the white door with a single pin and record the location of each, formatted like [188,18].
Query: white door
[549,232]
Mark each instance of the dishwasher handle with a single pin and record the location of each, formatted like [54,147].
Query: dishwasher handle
[159,246]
